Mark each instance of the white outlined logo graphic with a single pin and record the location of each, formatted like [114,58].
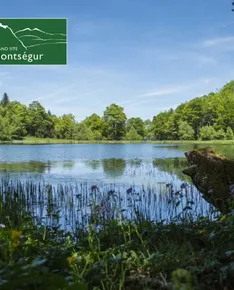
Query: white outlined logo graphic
[33,41]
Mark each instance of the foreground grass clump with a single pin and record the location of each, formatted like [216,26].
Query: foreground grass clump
[115,254]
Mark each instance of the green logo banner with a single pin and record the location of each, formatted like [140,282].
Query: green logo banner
[33,41]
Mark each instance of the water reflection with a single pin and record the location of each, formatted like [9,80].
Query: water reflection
[67,164]
[172,166]
[125,171]
[75,204]
[20,167]
[126,164]
[135,162]
[34,166]
[94,164]
[147,168]
[113,167]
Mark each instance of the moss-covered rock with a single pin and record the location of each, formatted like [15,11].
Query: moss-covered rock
[213,175]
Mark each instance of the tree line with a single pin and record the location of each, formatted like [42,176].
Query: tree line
[208,117]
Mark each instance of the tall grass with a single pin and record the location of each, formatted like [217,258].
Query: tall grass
[97,236]
[71,205]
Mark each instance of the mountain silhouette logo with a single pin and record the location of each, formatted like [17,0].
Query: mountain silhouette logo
[33,41]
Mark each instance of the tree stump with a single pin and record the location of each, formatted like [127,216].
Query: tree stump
[213,176]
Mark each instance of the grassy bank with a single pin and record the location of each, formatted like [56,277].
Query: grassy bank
[114,254]
[34,140]
[106,250]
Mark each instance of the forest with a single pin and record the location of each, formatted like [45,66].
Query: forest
[209,117]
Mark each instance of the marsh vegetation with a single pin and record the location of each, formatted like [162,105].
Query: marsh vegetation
[88,237]
[96,217]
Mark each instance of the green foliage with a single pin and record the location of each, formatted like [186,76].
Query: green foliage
[38,122]
[11,119]
[65,126]
[182,279]
[18,121]
[220,134]
[107,250]
[207,133]
[97,135]
[133,135]
[193,113]
[186,122]
[5,100]
[159,126]
[138,125]
[115,122]
[117,254]
[186,131]
[214,110]
[84,133]
[17,114]
[229,134]
[148,129]
[6,129]
[96,124]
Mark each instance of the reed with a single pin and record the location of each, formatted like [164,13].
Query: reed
[71,205]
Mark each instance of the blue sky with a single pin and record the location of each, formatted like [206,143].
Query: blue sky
[146,56]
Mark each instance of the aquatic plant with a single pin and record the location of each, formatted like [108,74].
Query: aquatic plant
[68,205]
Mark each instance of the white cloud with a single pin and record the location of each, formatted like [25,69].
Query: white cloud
[203,59]
[165,91]
[217,41]
[77,97]
[61,92]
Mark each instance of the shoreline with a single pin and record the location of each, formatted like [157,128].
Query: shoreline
[32,141]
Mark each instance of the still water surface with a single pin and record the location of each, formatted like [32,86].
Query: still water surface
[106,163]
[132,177]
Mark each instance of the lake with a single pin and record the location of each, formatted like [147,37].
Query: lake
[143,177]
[108,163]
